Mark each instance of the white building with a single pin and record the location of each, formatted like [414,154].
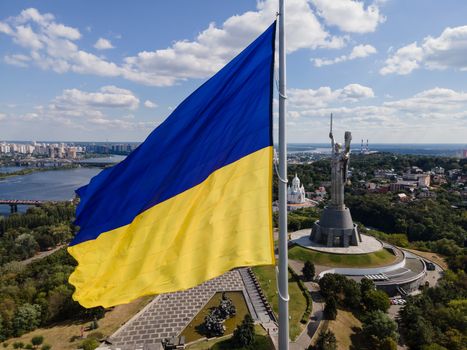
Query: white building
[296,193]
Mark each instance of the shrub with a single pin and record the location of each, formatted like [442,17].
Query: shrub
[37,340]
[388,344]
[244,334]
[308,270]
[89,344]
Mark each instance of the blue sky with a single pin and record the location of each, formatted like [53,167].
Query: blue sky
[392,71]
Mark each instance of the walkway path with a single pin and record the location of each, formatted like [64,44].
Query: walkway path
[304,339]
[41,255]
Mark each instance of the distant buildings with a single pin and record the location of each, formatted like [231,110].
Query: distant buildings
[438,170]
[385,174]
[118,148]
[413,178]
[59,151]
[63,150]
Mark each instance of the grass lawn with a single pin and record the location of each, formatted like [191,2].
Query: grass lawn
[266,276]
[62,336]
[344,328]
[262,342]
[193,331]
[379,258]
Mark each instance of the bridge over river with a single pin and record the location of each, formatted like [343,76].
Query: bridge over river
[13,203]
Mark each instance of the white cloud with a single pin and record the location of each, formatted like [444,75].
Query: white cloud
[108,96]
[432,101]
[419,117]
[449,50]
[355,92]
[325,96]
[149,104]
[31,14]
[2,116]
[404,61]
[5,28]
[350,15]
[103,44]
[88,111]
[27,38]
[17,60]
[53,45]
[60,30]
[359,51]
[215,45]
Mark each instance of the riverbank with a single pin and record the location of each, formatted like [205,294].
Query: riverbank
[30,170]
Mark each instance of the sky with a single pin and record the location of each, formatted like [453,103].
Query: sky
[391,71]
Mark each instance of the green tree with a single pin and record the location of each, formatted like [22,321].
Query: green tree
[331,284]
[46,347]
[433,346]
[244,334]
[37,340]
[326,341]
[366,285]
[308,270]
[378,325]
[455,340]
[376,300]
[330,309]
[2,330]
[27,318]
[388,344]
[352,295]
[18,345]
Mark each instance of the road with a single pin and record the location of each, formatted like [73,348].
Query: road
[41,255]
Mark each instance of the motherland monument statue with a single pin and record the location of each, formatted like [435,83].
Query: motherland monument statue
[335,227]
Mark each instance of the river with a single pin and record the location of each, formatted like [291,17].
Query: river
[45,185]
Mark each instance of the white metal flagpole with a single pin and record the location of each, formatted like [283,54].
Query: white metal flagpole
[283,259]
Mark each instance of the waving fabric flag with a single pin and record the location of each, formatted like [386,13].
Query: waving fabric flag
[191,202]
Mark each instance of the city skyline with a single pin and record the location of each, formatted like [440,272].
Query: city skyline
[388,71]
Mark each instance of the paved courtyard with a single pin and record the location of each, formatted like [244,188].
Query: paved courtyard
[368,245]
[168,314]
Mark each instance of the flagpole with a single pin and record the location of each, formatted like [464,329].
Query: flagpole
[283,258]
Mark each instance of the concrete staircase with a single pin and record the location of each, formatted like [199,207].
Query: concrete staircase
[262,308]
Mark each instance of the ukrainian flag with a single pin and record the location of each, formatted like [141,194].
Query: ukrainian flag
[191,202]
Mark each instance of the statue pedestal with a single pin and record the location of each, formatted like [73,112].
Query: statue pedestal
[335,228]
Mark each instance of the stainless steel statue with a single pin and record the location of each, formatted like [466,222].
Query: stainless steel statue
[335,227]
[339,168]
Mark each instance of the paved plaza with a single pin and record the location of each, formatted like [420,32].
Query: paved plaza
[368,245]
[168,314]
